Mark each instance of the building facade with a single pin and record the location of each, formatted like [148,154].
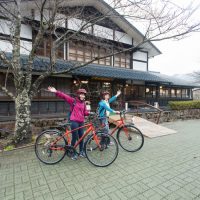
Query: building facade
[127,71]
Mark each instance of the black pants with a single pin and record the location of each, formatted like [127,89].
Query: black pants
[77,134]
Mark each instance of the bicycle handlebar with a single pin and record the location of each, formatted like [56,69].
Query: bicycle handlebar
[122,112]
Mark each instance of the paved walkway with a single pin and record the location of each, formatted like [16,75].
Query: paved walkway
[167,167]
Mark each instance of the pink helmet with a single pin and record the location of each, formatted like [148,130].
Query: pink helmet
[81,91]
[104,93]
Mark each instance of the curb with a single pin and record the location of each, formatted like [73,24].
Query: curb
[15,149]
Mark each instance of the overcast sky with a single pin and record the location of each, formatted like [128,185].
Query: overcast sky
[178,57]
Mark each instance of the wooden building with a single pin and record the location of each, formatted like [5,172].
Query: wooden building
[126,71]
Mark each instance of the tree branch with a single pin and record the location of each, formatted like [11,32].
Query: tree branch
[4,89]
[37,83]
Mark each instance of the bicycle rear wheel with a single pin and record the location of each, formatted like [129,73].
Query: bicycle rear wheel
[43,147]
[130,138]
[104,153]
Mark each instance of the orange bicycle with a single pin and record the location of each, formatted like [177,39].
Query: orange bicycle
[52,145]
[129,137]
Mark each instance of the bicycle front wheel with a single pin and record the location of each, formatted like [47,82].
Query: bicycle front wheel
[45,151]
[101,151]
[130,138]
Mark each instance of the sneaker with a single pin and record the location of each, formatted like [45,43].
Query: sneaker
[82,154]
[111,144]
[74,157]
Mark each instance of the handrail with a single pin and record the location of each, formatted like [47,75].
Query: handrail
[139,103]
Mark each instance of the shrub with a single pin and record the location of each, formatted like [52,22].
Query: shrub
[8,148]
[182,105]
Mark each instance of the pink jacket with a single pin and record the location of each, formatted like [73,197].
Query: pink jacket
[79,110]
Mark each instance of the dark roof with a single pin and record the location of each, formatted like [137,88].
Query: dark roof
[119,73]
[42,64]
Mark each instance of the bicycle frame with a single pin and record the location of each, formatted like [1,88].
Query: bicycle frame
[120,123]
[90,128]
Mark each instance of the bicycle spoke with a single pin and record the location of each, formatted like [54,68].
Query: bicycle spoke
[130,138]
[43,147]
[104,154]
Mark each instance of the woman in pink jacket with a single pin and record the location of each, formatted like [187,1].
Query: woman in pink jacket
[78,113]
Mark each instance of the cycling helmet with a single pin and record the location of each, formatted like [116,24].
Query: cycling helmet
[81,91]
[105,92]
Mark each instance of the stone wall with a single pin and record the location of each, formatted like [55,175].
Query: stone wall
[38,125]
[172,115]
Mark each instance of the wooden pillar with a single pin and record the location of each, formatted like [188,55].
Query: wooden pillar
[158,92]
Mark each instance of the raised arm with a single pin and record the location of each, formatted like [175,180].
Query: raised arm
[103,104]
[62,95]
[114,97]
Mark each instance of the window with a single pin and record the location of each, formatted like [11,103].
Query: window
[95,53]
[189,93]
[102,53]
[164,92]
[178,93]
[150,91]
[83,52]
[80,52]
[122,60]
[44,49]
[184,93]
[88,53]
[117,60]
[72,51]
[173,92]
[60,52]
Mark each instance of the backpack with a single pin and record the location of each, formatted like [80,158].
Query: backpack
[99,111]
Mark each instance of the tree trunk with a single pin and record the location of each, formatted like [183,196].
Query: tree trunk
[23,118]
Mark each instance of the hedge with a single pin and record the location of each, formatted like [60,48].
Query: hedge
[182,105]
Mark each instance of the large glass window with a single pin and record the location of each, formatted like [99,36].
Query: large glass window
[164,92]
[184,93]
[150,91]
[134,91]
[173,92]
[178,93]
[189,93]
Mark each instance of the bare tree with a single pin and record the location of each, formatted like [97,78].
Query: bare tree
[160,20]
[196,77]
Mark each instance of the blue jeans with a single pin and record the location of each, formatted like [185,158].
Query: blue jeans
[77,134]
[104,122]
